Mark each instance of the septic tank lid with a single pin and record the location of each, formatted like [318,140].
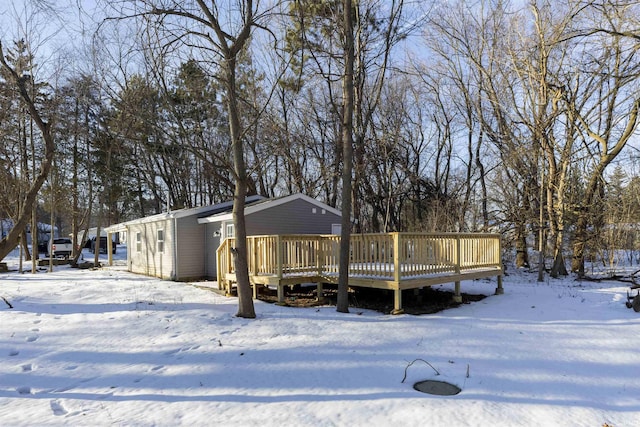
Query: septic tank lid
[439,388]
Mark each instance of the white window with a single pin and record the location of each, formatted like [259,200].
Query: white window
[138,242]
[160,239]
[230,231]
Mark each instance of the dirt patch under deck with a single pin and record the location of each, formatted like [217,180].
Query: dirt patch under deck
[424,301]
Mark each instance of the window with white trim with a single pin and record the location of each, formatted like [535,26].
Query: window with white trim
[138,242]
[230,231]
[160,240]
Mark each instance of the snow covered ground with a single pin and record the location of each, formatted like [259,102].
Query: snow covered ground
[105,347]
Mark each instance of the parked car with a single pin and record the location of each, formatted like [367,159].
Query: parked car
[60,247]
[42,247]
[103,245]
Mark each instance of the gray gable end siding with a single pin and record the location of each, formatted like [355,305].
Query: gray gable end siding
[294,217]
[189,249]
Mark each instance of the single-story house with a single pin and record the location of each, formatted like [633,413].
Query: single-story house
[44,231]
[181,244]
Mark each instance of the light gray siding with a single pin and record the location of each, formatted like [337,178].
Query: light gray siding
[189,249]
[149,260]
[295,217]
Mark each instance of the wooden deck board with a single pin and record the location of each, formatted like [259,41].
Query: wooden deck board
[374,282]
[392,261]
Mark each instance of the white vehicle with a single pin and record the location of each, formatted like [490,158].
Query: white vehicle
[61,247]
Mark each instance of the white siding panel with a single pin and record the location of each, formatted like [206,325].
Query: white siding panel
[149,260]
[212,243]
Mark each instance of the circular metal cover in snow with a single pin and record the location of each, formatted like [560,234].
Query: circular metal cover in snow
[439,388]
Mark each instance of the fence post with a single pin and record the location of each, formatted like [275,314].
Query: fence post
[219,264]
[319,255]
[397,302]
[396,259]
[254,246]
[499,289]
[397,274]
[457,296]
[458,253]
[279,250]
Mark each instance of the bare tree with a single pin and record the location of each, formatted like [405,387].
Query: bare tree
[23,82]
[220,31]
[472,43]
[609,119]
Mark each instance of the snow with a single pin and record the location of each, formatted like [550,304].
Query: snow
[106,347]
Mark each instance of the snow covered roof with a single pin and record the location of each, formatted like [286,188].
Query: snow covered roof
[199,212]
[266,204]
[7,224]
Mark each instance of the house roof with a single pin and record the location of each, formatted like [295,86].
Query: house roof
[200,212]
[267,204]
[91,232]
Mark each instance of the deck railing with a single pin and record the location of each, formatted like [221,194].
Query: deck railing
[388,256]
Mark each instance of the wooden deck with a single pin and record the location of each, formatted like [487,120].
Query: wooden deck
[394,261]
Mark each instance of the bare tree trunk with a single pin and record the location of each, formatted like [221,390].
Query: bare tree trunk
[579,244]
[35,253]
[483,185]
[608,154]
[96,248]
[245,298]
[86,219]
[342,304]
[559,268]
[74,194]
[25,245]
[52,222]
[522,255]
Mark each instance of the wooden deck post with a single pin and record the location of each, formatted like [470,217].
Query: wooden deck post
[457,296]
[320,261]
[109,249]
[280,294]
[397,292]
[255,266]
[320,291]
[397,264]
[219,268]
[319,257]
[279,250]
[397,302]
[499,289]
[458,253]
